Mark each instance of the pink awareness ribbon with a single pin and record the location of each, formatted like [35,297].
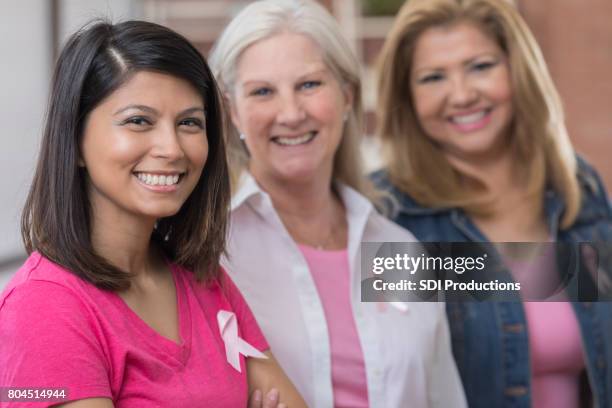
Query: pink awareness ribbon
[234,345]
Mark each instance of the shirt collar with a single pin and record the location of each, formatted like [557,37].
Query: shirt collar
[247,188]
[355,203]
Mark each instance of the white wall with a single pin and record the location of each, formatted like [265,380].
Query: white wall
[25,51]
[75,13]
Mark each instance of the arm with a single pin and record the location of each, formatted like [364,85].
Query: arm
[264,375]
[46,341]
[88,403]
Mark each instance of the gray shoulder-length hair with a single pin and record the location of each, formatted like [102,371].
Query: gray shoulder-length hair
[263,19]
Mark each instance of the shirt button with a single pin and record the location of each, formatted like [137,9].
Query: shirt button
[601,363]
[514,328]
[518,391]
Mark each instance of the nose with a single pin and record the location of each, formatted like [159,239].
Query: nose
[291,112]
[463,93]
[167,144]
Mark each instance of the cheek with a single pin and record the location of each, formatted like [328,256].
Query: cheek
[255,121]
[329,114]
[327,109]
[110,147]
[500,86]
[426,103]
[196,149]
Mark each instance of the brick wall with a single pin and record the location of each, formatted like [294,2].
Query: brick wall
[576,38]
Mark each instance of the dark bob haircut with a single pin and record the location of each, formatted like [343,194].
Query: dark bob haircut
[95,62]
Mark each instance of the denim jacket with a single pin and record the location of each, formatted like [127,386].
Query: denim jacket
[490,339]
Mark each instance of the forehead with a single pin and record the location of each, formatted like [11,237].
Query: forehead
[452,44]
[153,87]
[284,53]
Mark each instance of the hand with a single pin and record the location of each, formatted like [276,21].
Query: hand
[270,401]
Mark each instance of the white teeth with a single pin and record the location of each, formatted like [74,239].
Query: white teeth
[293,141]
[465,119]
[157,180]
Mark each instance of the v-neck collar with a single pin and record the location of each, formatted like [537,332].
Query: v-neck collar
[178,352]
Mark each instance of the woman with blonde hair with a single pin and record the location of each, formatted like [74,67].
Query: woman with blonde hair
[477,150]
[300,212]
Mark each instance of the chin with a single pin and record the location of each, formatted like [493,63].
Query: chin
[161,212]
[300,175]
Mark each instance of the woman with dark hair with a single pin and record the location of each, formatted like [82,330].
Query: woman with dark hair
[122,300]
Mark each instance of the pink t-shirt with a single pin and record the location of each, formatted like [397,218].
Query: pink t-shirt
[555,346]
[555,349]
[330,271]
[59,331]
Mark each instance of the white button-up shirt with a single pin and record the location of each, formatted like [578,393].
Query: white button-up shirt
[406,351]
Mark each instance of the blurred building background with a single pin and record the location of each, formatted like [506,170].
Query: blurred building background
[576,37]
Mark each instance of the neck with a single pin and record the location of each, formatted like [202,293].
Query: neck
[311,211]
[515,213]
[496,173]
[123,241]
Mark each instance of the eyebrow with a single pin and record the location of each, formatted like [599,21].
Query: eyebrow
[154,112]
[300,78]
[314,72]
[464,63]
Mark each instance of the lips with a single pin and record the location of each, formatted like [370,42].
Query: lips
[472,121]
[159,179]
[295,140]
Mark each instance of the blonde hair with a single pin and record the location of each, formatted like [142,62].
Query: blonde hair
[417,166]
[263,19]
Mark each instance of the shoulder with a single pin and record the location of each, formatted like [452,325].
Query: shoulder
[380,178]
[591,185]
[396,199]
[49,333]
[595,205]
[217,293]
[379,228]
[40,280]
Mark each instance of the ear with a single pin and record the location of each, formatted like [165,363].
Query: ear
[349,97]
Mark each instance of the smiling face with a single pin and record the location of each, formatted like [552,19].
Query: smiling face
[462,91]
[144,148]
[290,108]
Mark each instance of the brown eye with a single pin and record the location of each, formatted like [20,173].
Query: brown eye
[138,121]
[430,78]
[483,66]
[192,123]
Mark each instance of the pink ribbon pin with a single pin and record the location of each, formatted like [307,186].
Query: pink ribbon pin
[234,345]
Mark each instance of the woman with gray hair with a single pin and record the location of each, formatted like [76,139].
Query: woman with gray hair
[300,212]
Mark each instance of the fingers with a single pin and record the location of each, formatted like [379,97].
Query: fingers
[271,399]
[256,399]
